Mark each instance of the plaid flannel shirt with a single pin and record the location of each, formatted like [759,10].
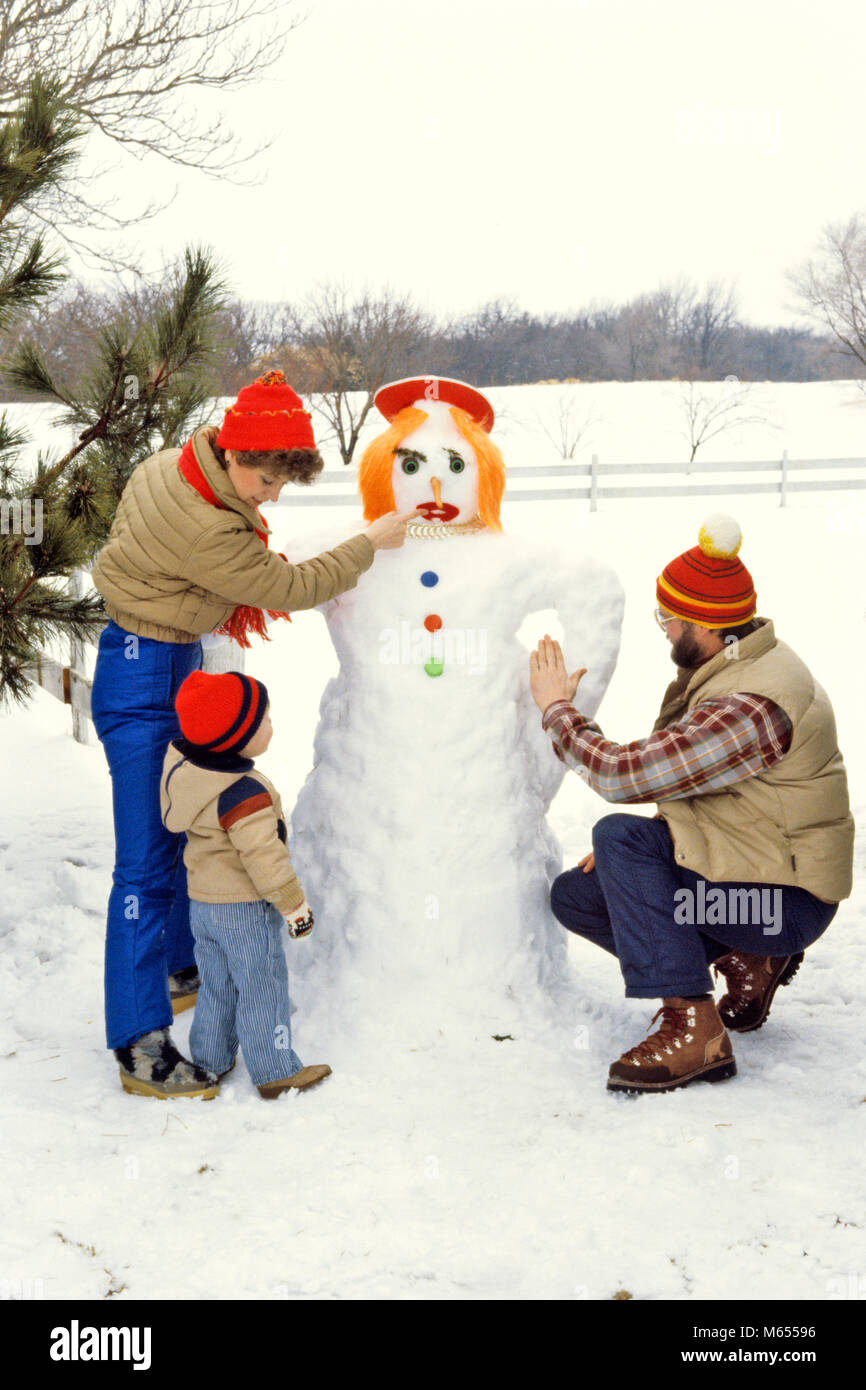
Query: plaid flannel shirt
[715,744]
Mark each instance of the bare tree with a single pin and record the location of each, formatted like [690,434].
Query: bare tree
[672,302]
[132,71]
[832,286]
[252,338]
[707,414]
[705,327]
[630,342]
[643,338]
[350,347]
[570,424]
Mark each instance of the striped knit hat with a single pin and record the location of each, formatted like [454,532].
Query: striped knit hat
[708,585]
[220,713]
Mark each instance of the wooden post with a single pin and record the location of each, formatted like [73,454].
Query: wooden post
[77,662]
[593,484]
[783,482]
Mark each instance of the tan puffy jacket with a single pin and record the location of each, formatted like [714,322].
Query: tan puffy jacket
[790,824]
[236,844]
[175,567]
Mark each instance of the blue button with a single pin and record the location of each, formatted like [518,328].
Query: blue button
[429,578]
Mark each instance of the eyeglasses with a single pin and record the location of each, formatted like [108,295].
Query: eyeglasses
[663,620]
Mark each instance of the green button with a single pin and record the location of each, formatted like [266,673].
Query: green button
[434,667]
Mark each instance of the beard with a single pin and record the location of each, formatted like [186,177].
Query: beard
[685,652]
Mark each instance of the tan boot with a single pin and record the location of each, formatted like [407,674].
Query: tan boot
[183,990]
[752,981]
[152,1066]
[689,1045]
[301,1081]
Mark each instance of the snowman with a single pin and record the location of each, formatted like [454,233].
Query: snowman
[420,835]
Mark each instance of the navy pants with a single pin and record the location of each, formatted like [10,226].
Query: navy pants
[148,936]
[664,923]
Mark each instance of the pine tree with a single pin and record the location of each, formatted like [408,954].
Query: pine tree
[144,389]
[36,150]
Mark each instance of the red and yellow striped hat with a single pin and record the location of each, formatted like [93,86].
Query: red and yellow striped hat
[708,585]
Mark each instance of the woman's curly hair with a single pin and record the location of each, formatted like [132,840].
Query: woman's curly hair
[295,465]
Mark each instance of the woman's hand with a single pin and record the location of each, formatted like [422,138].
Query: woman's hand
[548,677]
[389,531]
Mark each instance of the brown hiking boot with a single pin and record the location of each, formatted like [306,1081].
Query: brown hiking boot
[301,1081]
[689,1045]
[752,981]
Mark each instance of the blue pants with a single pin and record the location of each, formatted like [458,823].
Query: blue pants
[244,994]
[664,923]
[148,936]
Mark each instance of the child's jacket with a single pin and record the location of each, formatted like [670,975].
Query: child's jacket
[236,842]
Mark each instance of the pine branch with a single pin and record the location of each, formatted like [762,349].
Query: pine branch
[12,439]
[27,371]
[22,285]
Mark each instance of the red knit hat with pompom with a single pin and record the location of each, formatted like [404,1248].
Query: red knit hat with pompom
[220,713]
[708,585]
[267,415]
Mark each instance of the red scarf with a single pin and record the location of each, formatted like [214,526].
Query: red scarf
[244,619]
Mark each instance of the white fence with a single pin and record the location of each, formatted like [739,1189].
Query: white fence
[341,484]
[70,684]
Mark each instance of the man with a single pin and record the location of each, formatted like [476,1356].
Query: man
[751,849]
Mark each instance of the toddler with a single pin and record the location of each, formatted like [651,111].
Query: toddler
[240,880]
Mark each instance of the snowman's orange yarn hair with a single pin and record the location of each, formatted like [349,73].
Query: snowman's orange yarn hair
[375,471]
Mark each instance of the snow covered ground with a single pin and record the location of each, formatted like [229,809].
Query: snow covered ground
[439,1162]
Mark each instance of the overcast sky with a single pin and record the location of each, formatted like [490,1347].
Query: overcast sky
[553,151]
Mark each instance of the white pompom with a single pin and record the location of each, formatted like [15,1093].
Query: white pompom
[720,536]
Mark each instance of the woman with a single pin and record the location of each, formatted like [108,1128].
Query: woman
[188,553]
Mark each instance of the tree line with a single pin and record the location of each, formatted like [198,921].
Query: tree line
[338,340]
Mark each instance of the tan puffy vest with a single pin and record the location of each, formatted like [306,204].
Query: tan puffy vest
[790,824]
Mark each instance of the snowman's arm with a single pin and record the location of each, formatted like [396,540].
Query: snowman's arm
[589,602]
[588,599]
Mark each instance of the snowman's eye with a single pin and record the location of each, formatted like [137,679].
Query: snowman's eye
[410,459]
[457,463]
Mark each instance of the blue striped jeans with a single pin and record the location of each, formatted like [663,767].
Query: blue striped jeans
[244,994]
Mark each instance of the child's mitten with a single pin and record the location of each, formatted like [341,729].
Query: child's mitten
[300,920]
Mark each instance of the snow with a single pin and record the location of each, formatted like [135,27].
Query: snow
[437,1162]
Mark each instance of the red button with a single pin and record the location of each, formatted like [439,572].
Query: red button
[432,622]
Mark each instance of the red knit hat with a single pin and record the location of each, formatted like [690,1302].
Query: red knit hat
[267,415]
[220,713]
[708,585]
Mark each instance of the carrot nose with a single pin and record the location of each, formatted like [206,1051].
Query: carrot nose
[437,491]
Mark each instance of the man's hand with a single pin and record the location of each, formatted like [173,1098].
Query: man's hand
[587,863]
[548,677]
